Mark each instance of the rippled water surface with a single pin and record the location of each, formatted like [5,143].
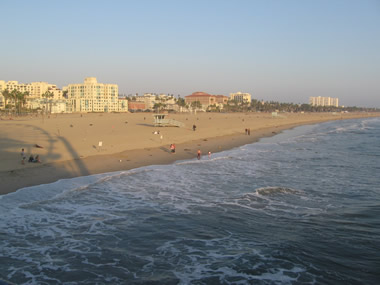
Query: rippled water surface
[302,207]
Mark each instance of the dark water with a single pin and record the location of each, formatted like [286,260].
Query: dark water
[302,207]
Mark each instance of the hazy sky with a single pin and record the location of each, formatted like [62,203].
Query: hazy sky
[276,50]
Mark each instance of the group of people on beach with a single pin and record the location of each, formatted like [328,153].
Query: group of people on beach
[33,159]
[248,132]
[199,153]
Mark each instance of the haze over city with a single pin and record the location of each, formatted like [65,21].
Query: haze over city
[276,50]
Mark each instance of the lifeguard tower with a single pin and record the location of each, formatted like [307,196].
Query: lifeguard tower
[160,120]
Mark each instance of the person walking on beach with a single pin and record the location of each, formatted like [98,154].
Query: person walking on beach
[23,157]
[194,127]
[199,154]
[172,148]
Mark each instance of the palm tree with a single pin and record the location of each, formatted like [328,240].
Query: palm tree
[20,96]
[196,105]
[14,96]
[159,107]
[47,95]
[181,102]
[7,96]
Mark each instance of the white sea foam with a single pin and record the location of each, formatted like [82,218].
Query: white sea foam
[225,259]
[277,190]
[220,219]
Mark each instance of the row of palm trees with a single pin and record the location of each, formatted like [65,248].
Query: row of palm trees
[262,106]
[16,97]
[15,100]
[273,106]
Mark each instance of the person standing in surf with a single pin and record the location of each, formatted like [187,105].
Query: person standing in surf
[172,148]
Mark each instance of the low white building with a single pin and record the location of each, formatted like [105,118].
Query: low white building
[149,99]
[123,105]
[52,106]
[58,106]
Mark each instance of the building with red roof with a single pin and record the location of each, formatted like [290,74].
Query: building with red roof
[206,99]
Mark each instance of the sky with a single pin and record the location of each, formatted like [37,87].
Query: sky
[277,50]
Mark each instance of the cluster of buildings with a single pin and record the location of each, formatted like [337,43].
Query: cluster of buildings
[92,96]
[149,100]
[89,96]
[324,101]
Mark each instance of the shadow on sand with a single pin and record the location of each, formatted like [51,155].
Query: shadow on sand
[23,177]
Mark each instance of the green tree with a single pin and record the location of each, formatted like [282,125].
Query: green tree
[213,108]
[21,100]
[7,96]
[196,105]
[158,107]
[14,97]
[181,102]
[46,96]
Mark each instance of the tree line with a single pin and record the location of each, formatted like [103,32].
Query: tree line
[273,106]
[263,106]
[15,100]
[16,97]
[270,106]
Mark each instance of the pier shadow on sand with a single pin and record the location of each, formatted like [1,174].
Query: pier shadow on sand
[28,176]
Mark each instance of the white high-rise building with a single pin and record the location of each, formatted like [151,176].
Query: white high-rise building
[92,96]
[324,101]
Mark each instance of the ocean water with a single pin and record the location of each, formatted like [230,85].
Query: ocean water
[302,207]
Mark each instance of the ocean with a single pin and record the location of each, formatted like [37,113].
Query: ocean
[301,207]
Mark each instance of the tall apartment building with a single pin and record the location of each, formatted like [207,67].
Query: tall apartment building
[241,97]
[324,101]
[92,96]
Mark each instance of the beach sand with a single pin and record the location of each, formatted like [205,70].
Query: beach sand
[85,144]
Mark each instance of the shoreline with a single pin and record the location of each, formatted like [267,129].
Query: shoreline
[32,175]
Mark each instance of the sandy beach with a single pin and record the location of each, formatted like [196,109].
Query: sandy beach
[71,145]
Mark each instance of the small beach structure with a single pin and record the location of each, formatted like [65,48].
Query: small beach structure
[160,120]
